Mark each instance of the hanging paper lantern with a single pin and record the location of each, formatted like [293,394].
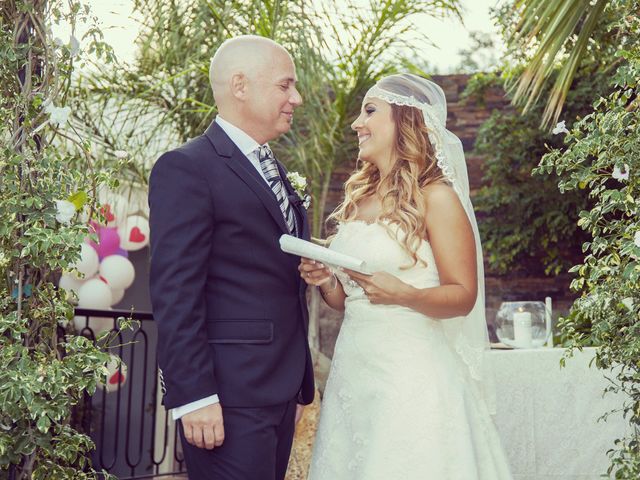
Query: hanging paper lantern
[96,324]
[95,294]
[117,271]
[134,233]
[116,376]
[108,242]
[116,296]
[88,261]
[71,284]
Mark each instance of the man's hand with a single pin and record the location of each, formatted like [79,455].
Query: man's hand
[204,427]
[299,412]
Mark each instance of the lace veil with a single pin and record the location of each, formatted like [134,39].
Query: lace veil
[467,335]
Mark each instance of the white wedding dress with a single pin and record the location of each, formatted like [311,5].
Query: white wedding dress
[398,404]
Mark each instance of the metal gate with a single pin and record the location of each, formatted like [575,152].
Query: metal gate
[134,435]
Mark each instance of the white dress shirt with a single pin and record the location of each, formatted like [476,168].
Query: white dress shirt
[248,146]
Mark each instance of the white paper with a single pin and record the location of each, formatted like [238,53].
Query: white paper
[330,258]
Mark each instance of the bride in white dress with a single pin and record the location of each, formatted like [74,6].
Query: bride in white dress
[407,397]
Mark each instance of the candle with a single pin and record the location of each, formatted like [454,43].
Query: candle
[548,321]
[522,329]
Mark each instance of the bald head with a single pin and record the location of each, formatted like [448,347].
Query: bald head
[247,55]
[254,86]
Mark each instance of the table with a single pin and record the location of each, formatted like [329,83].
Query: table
[547,415]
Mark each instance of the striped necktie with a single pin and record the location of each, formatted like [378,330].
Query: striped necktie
[271,173]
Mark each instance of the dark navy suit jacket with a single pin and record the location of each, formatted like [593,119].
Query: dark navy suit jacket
[229,304]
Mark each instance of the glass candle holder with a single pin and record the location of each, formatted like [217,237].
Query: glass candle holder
[522,324]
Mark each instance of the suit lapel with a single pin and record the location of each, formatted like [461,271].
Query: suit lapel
[243,168]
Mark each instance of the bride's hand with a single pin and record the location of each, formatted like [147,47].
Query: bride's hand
[314,273]
[381,287]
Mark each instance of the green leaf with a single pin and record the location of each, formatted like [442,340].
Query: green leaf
[43,423]
[79,199]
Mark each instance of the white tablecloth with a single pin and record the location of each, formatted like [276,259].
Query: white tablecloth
[547,415]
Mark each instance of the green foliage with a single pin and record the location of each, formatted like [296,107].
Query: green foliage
[43,371]
[340,50]
[608,278]
[527,225]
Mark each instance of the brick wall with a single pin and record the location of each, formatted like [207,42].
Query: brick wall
[464,119]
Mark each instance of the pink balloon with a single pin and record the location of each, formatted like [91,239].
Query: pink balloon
[109,242]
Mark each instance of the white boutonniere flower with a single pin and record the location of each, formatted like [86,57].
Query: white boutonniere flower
[299,184]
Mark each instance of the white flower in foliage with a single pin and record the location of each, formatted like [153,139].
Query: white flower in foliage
[65,211]
[74,46]
[619,174]
[561,127]
[57,115]
[636,239]
[121,154]
[627,302]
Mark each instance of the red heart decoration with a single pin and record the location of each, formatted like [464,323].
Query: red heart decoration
[136,235]
[105,210]
[117,378]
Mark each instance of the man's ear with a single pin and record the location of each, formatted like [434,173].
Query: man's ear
[239,85]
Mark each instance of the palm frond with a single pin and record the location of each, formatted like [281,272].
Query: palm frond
[558,31]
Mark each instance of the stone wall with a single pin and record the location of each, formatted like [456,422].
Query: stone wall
[464,119]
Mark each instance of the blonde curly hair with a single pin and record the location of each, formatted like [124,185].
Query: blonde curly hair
[403,195]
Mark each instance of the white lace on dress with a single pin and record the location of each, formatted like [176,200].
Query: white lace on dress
[468,335]
[399,403]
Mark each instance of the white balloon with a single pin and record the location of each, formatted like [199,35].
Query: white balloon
[88,262]
[115,376]
[71,284]
[96,324]
[94,294]
[134,233]
[117,271]
[116,295]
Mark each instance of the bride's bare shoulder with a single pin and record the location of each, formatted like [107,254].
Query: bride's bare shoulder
[439,195]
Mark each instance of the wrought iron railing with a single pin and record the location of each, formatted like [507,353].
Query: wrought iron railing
[135,437]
